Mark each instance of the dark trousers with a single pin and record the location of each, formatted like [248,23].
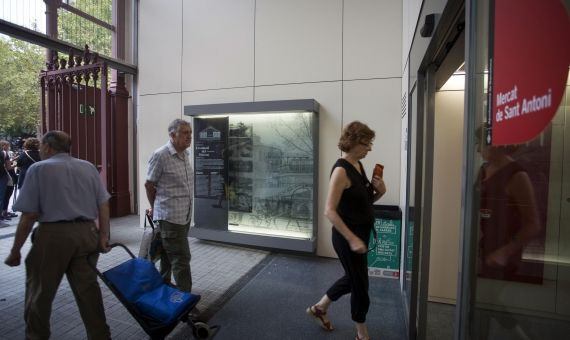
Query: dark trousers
[58,250]
[3,188]
[175,255]
[355,279]
[7,195]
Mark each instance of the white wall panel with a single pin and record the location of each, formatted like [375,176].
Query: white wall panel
[218,44]
[329,97]
[160,47]
[217,96]
[221,51]
[155,113]
[377,103]
[298,41]
[372,39]
[405,35]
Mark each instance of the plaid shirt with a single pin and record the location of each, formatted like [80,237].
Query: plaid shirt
[174,180]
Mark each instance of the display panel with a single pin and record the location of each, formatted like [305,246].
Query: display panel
[210,172]
[255,174]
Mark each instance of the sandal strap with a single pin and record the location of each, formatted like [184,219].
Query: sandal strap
[317,311]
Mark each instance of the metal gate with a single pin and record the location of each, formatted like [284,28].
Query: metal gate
[76,99]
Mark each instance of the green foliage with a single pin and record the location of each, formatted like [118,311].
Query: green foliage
[79,31]
[20,64]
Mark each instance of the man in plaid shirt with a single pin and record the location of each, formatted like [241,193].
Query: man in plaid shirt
[169,188]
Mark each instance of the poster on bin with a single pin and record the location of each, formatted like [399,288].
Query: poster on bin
[384,254]
[529,54]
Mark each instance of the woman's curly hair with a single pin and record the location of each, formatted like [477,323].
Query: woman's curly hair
[32,144]
[354,133]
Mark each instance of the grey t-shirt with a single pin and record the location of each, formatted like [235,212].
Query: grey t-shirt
[62,188]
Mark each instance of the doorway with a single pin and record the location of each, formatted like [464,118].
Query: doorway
[434,187]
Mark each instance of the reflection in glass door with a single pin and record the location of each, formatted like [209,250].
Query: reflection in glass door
[515,280]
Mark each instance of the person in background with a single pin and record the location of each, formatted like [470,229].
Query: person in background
[29,156]
[349,208]
[169,188]
[5,179]
[12,182]
[72,196]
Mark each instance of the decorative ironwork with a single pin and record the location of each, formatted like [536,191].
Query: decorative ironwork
[75,99]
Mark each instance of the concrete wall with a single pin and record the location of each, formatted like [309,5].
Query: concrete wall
[346,54]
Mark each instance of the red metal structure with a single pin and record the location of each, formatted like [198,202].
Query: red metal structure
[76,99]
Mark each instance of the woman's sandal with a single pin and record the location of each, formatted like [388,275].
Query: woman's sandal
[359,338]
[319,317]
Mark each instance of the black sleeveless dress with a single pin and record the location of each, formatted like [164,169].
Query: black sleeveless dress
[355,209]
[355,205]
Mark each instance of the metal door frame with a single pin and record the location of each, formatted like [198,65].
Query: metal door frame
[450,23]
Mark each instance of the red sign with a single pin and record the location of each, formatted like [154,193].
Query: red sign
[529,58]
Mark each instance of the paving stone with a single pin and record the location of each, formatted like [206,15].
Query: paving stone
[215,269]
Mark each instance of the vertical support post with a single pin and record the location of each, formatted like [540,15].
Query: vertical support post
[118,181]
[51,24]
[43,110]
[118,134]
[105,161]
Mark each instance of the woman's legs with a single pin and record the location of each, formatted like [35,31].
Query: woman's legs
[319,312]
[324,303]
[361,331]
[355,281]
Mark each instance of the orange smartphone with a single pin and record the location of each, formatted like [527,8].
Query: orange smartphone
[378,170]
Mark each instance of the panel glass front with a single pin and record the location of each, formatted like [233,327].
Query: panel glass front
[521,259]
[265,181]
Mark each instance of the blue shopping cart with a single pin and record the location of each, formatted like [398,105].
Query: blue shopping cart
[156,305]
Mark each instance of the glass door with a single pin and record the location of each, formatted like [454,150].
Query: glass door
[419,202]
[515,278]
[411,185]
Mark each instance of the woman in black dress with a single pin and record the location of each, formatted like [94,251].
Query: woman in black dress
[349,208]
[29,156]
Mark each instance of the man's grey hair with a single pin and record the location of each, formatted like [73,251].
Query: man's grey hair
[58,141]
[173,127]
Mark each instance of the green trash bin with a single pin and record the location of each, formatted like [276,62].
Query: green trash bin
[384,254]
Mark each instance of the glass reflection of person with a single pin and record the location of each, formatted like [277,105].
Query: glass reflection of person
[509,217]
[349,208]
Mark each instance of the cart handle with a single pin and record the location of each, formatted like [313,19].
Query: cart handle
[92,263]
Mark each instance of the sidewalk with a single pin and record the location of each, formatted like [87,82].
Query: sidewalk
[218,272]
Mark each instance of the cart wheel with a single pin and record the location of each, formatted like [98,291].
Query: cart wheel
[201,330]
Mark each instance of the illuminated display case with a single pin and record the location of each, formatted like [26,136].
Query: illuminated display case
[255,173]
